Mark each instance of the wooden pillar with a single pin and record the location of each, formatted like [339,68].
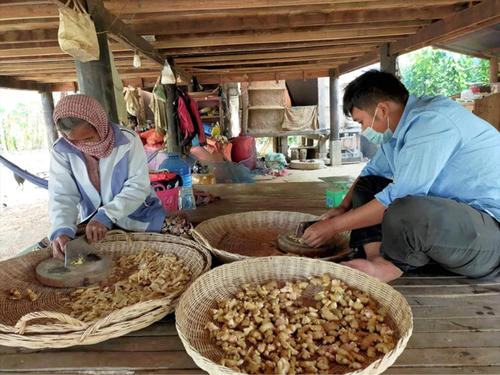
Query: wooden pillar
[335,144]
[494,70]
[95,78]
[48,110]
[172,143]
[282,146]
[387,62]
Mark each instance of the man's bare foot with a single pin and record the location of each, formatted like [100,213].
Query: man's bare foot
[377,267]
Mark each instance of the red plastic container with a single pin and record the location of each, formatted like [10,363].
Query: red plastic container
[244,151]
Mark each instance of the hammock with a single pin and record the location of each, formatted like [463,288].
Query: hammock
[38,181]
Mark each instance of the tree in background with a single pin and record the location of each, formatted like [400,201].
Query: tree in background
[435,72]
[21,128]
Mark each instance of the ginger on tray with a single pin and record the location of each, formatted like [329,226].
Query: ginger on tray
[275,328]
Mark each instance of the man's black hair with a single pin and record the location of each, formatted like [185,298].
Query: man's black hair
[372,87]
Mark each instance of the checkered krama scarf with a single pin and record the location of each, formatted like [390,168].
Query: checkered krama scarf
[87,108]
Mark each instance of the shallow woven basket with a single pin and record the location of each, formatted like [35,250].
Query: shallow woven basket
[253,234]
[194,308]
[45,323]
[307,165]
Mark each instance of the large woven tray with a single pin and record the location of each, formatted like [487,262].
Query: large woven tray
[194,308]
[253,234]
[45,323]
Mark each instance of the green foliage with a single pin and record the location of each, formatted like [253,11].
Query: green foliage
[435,72]
[21,129]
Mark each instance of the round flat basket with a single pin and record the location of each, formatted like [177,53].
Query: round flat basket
[46,321]
[254,234]
[307,164]
[195,306]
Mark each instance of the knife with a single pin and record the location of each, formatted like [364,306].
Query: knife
[76,251]
[302,226]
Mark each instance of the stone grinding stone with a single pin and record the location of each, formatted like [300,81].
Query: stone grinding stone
[286,244]
[51,272]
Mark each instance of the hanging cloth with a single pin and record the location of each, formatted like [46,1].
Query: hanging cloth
[159,107]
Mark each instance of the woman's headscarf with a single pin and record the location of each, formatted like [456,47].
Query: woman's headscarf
[87,108]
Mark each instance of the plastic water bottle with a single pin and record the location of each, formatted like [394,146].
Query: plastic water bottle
[175,164]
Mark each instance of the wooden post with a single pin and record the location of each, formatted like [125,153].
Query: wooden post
[172,143]
[95,78]
[335,144]
[387,62]
[494,70]
[48,109]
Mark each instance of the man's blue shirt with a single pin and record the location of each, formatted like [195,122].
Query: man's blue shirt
[441,149]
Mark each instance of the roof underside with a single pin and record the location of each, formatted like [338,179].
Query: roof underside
[230,40]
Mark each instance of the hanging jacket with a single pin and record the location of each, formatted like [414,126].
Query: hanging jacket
[126,198]
[189,118]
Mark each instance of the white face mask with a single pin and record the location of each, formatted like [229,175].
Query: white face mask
[374,136]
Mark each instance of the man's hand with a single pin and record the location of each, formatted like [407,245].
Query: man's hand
[58,246]
[319,233]
[331,213]
[95,231]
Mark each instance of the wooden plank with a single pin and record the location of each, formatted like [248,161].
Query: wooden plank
[452,370]
[481,15]
[17,36]
[269,47]
[449,312]
[446,357]
[228,65]
[482,300]
[304,53]
[491,324]
[443,281]
[450,291]
[278,36]
[367,59]
[123,344]
[454,340]
[149,25]
[96,361]
[12,83]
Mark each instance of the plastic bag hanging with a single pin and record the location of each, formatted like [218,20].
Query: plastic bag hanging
[77,35]
[137,60]
[167,75]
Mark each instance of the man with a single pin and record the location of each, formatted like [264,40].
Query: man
[432,191]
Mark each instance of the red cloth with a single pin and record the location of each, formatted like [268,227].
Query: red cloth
[87,108]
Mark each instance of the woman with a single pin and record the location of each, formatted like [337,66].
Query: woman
[99,174]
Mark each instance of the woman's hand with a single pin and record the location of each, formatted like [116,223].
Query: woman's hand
[95,231]
[331,213]
[58,246]
[319,233]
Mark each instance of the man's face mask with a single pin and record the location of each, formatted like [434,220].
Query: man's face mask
[374,136]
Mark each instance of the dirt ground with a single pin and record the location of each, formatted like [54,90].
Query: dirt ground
[23,209]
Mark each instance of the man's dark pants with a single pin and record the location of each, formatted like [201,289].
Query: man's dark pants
[416,230]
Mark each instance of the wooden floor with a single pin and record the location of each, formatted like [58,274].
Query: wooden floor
[456,320]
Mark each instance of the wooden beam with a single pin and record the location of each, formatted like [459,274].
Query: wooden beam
[278,36]
[387,61]
[276,61]
[156,25]
[493,72]
[273,47]
[18,36]
[13,83]
[478,16]
[367,59]
[304,53]
[276,68]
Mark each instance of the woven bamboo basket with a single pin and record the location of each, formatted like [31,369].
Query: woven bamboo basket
[253,234]
[194,308]
[46,323]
